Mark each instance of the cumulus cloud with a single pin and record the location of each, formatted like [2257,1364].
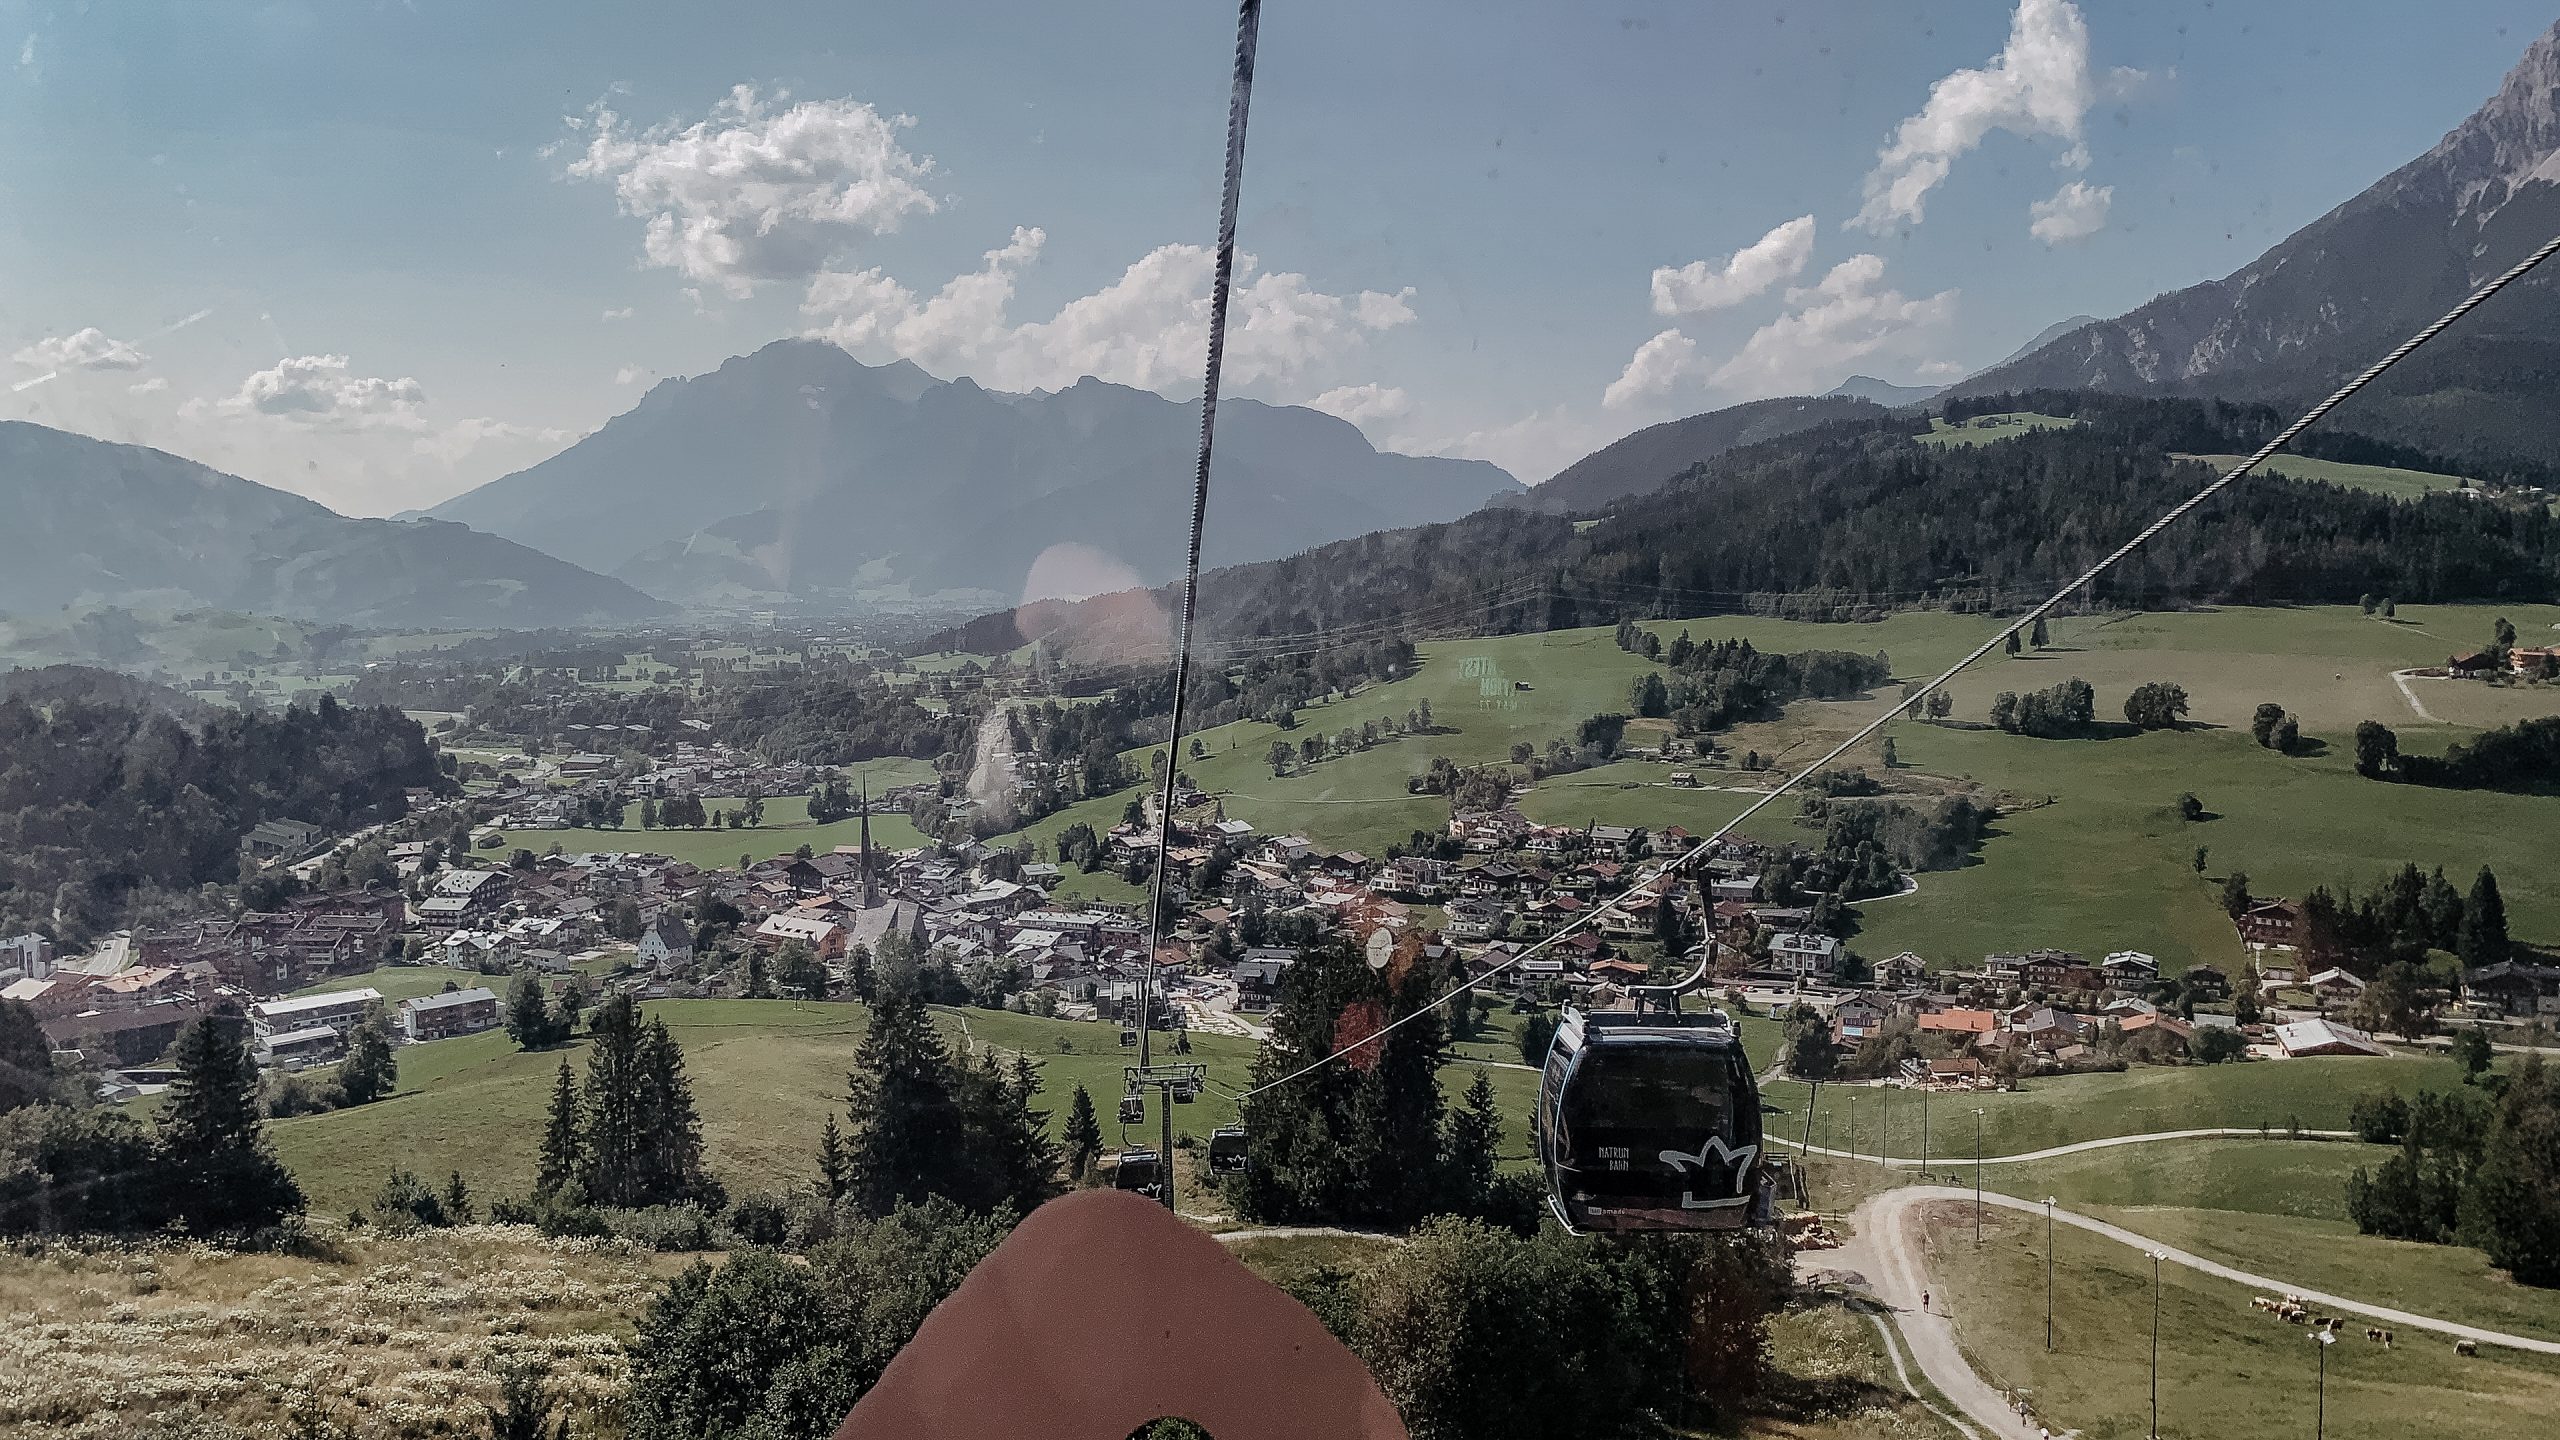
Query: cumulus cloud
[89,349]
[761,190]
[2077,211]
[628,375]
[320,389]
[1851,314]
[2039,85]
[622,314]
[1358,403]
[1148,328]
[1658,366]
[152,386]
[1702,285]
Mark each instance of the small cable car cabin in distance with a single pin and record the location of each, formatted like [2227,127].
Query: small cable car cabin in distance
[1649,1120]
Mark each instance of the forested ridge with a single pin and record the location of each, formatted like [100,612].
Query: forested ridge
[101,799]
[1854,519]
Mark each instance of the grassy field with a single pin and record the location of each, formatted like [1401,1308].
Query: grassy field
[765,1074]
[2062,1109]
[2104,867]
[2380,479]
[2226,1372]
[786,827]
[380,1338]
[405,982]
[1985,429]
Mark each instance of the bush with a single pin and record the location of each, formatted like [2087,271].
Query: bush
[2212,1047]
[669,1228]
[284,1096]
[759,1218]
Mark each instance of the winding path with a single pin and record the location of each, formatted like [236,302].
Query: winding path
[2056,1152]
[2401,679]
[1886,1255]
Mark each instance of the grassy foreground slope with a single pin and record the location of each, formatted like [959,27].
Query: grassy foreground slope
[765,1074]
[2226,1371]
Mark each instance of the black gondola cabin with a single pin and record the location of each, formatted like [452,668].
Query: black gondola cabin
[1651,1121]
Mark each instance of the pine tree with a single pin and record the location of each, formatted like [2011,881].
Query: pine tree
[370,1070]
[1475,1138]
[907,1133]
[1009,1160]
[2235,893]
[833,1167]
[759,977]
[26,1058]
[670,1154]
[2040,639]
[609,1138]
[561,1145]
[2483,940]
[529,1021]
[221,1173]
[1083,1135]
[2009,644]
[457,1201]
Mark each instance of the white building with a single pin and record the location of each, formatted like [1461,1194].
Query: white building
[339,1010]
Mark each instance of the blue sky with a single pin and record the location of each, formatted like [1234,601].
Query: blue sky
[380,252]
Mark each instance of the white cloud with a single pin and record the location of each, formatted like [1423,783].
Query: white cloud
[1368,402]
[89,349]
[622,314]
[2077,211]
[1699,285]
[152,386]
[758,191]
[1148,328]
[1533,448]
[1844,318]
[1654,371]
[2037,86]
[628,375]
[27,53]
[318,389]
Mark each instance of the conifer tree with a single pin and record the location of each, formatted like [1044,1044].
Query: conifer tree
[371,1070]
[2483,940]
[1083,1135]
[609,1135]
[221,1172]
[1475,1137]
[834,1171]
[907,1131]
[561,1147]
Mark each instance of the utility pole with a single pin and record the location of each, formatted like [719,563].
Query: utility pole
[2048,1274]
[2320,1424]
[1977,1179]
[1924,1131]
[2156,1258]
[1884,1131]
[1853,1127]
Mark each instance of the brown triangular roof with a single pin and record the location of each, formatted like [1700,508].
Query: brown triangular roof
[1166,1323]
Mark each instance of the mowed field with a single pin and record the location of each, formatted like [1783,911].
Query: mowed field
[2105,866]
[2051,1110]
[2380,479]
[786,828]
[1984,429]
[765,1074]
[2227,1372]
[2278,1208]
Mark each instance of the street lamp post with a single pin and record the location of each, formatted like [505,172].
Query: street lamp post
[2048,1274]
[1977,1177]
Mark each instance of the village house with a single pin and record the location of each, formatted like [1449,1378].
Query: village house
[2325,1037]
[2514,988]
[2130,969]
[2270,927]
[2207,982]
[1800,953]
[667,943]
[340,1010]
[823,936]
[455,1012]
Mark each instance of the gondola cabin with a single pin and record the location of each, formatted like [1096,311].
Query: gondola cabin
[1227,1149]
[1138,1170]
[1651,1121]
[1133,1110]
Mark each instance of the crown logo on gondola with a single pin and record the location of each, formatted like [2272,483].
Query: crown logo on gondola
[1739,1157]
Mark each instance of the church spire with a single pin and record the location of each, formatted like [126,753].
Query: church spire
[870,882]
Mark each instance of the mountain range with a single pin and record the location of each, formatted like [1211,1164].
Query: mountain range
[1640,463]
[90,522]
[2341,291]
[798,473]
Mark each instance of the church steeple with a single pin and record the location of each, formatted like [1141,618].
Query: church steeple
[870,880]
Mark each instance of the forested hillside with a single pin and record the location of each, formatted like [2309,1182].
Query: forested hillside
[103,802]
[1854,519]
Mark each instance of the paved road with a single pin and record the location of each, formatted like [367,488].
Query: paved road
[1907,1162]
[1915,1195]
[2401,679]
[1296,1232]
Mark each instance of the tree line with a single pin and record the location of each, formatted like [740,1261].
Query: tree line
[105,804]
[2473,1168]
